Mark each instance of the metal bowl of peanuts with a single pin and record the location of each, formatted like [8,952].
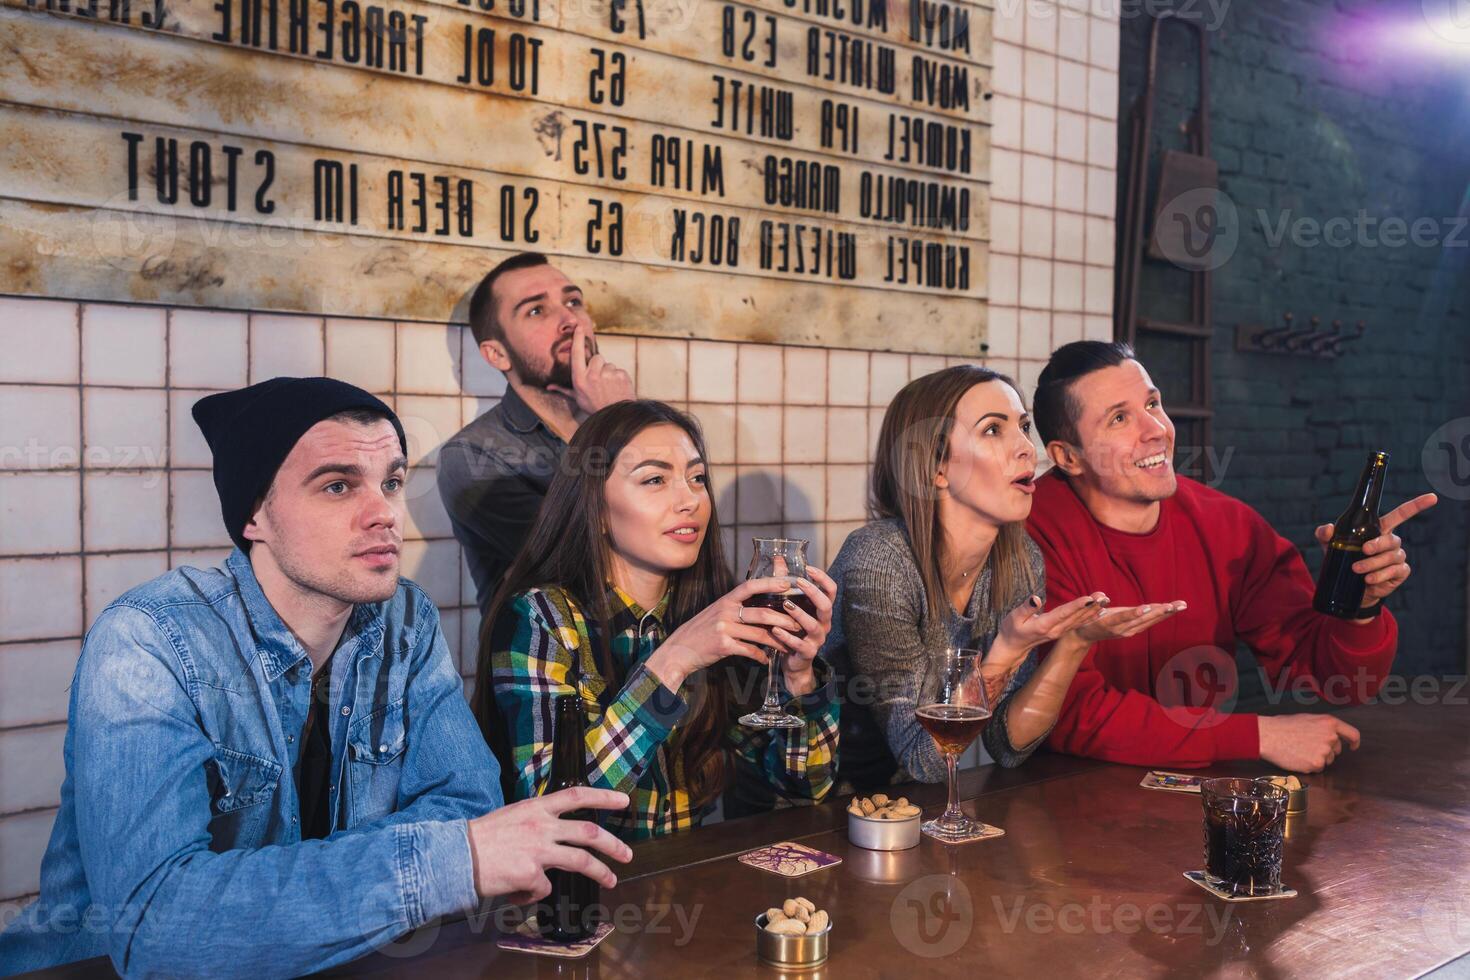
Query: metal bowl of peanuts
[1296,793]
[879,823]
[793,934]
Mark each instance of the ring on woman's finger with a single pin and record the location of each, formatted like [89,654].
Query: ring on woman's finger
[740,614]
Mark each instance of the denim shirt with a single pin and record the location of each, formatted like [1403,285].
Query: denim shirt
[178,849]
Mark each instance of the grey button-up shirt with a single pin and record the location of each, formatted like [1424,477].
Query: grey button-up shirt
[492,477]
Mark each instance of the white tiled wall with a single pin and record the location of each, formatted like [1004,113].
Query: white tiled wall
[104,479]
[1053,167]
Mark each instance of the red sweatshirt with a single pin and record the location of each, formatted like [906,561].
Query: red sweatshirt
[1151,699]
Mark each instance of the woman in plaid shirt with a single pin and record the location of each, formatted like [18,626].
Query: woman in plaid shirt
[622,595]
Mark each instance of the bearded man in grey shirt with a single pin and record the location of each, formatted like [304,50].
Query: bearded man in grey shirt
[531,323]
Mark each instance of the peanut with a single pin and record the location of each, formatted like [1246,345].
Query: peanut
[796,916]
[880,807]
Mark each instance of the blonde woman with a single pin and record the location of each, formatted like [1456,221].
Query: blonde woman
[946,562]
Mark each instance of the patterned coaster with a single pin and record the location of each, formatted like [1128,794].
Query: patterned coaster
[789,860]
[986,832]
[526,940]
[1172,782]
[1198,877]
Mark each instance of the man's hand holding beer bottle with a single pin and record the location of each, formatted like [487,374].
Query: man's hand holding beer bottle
[1363,563]
[541,841]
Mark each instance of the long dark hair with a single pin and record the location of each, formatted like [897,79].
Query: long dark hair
[568,548]
[912,445]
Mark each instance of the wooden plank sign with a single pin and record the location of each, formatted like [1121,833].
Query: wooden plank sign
[795,171]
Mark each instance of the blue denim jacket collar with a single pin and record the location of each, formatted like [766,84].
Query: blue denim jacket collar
[278,648]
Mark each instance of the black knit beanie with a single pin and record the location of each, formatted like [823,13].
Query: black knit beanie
[251,432]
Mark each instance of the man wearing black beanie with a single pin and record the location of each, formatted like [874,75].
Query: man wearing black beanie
[270,766]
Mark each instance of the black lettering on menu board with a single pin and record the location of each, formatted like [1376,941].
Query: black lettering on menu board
[705,239]
[808,250]
[928,143]
[118,11]
[932,264]
[806,185]
[939,24]
[232,171]
[132,139]
[607,79]
[672,160]
[833,56]
[839,129]
[617,21]
[515,8]
[508,213]
[749,36]
[200,171]
[267,160]
[753,108]
[334,191]
[871,14]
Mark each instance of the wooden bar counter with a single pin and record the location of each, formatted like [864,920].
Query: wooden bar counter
[1086,881]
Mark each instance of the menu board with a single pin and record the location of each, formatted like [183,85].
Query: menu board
[794,171]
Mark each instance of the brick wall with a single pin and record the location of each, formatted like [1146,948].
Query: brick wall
[1322,110]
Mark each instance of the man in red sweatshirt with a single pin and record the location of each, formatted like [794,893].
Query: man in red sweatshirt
[1113,516]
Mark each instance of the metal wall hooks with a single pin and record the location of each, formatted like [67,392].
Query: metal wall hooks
[1299,341]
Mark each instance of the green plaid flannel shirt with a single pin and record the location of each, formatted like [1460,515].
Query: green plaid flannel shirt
[543,648]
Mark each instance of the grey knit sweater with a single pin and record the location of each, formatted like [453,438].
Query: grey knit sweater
[881,639]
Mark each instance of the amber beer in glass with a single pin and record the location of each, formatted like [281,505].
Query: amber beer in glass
[953,709]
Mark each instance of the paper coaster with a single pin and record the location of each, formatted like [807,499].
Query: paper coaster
[986,832]
[526,940]
[1172,782]
[790,860]
[1198,877]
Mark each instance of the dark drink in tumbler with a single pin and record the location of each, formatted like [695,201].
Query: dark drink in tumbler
[777,600]
[1339,588]
[569,912]
[952,726]
[1245,822]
